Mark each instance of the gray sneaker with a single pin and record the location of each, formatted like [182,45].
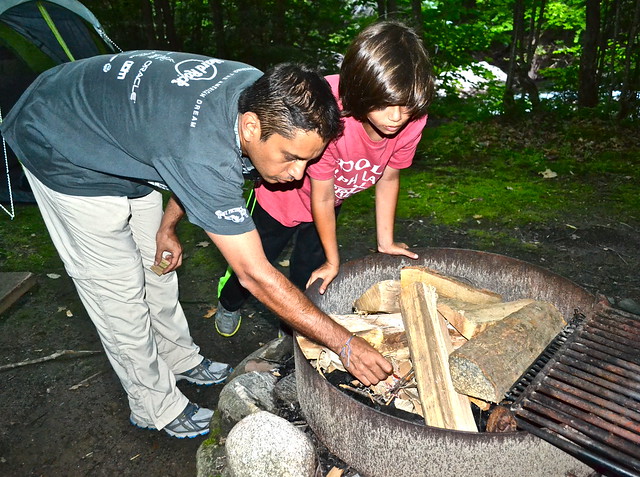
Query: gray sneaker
[227,322]
[192,422]
[206,373]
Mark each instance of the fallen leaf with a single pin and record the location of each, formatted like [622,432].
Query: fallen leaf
[53,275]
[548,174]
[335,472]
[69,314]
[210,312]
[203,244]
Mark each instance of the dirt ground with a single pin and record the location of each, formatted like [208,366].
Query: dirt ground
[69,416]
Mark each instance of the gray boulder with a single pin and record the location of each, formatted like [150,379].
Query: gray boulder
[265,445]
[247,394]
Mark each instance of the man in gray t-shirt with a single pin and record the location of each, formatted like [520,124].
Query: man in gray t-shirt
[99,136]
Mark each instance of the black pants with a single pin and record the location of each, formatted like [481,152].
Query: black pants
[307,254]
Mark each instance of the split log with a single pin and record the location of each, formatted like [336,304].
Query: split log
[488,365]
[448,287]
[381,297]
[385,332]
[471,320]
[430,346]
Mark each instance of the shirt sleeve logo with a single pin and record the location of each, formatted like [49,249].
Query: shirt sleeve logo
[237,214]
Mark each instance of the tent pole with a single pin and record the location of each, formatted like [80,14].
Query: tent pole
[54,30]
[12,212]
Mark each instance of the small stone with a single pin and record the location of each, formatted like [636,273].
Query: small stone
[630,305]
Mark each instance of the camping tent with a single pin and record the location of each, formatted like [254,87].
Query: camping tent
[34,36]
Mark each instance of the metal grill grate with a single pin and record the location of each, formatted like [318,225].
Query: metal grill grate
[586,399]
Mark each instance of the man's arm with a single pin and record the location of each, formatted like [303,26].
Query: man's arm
[245,255]
[387,189]
[167,243]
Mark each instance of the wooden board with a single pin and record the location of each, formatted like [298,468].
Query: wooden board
[429,346]
[12,286]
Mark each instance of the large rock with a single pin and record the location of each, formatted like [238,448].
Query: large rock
[265,445]
[211,455]
[247,394]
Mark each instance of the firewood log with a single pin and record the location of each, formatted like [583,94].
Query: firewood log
[448,287]
[430,346]
[489,364]
[385,332]
[381,297]
[471,319]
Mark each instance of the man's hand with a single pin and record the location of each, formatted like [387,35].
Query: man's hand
[398,248]
[326,272]
[168,246]
[365,363]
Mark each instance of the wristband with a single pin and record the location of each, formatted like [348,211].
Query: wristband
[345,352]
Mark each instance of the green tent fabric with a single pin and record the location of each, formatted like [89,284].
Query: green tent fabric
[34,36]
[45,33]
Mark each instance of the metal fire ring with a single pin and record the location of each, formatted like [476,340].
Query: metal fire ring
[380,445]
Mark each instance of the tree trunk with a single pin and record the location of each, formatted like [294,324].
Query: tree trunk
[628,92]
[518,27]
[165,14]
[148,26]
[217,12]
[587,82]
[416,10]
[392,9]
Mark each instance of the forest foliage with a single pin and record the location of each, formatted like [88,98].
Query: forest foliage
[571,54]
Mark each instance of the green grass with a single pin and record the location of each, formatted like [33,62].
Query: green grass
[25,243]
[464,172]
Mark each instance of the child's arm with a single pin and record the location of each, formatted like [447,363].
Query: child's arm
[387,189]
[324,217]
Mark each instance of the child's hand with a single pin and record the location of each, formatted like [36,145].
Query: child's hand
[327,272]
[398,248]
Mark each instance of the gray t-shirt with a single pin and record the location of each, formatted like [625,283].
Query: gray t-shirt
[116,124]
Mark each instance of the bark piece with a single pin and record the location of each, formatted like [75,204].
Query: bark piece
[381,297]
[430,346]
[502,419]
[471,320]
[159,269]
[488,365]
[448,287]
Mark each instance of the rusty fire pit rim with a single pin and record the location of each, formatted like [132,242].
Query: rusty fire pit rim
[383,259]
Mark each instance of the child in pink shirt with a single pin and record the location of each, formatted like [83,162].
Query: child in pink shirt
[384,88]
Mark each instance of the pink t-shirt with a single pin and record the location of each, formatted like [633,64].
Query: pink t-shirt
[353,160]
